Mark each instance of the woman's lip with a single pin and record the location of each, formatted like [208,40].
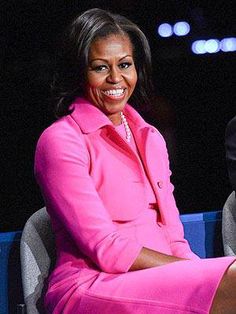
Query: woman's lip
[114,91]
[115,96]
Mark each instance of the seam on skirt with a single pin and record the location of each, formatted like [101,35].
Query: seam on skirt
[170,306]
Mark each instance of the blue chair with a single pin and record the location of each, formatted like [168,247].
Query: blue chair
[10,272]
[202,230]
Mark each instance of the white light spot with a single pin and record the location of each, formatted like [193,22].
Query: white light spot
[198,47]
[212,45]
[228,44]
[181,28]
[165,30]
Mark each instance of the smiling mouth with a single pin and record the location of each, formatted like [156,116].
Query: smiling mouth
[115,92]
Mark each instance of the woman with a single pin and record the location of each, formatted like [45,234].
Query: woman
[104,175]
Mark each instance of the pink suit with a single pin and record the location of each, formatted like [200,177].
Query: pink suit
[95,189]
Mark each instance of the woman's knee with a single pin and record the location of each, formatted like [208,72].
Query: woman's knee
[231,274]
[229,279]
[225,297]
[232,267]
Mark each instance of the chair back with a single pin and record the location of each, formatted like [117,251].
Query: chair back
[203,232]
[37,250]
[229,225]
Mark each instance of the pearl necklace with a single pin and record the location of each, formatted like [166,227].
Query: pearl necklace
[126,126]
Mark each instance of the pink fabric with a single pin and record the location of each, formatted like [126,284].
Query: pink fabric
[95,190]
[149,190]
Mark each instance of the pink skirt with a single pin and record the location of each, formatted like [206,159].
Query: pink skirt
[180,287]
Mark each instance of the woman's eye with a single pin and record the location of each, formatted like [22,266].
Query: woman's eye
[100,68]
[125,65]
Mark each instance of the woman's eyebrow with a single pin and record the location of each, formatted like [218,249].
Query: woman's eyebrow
[125,57]
[105,60]
[98,59]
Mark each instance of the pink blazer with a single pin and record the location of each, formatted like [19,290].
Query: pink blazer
[90,177]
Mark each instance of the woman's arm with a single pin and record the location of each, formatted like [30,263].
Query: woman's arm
[148,258]
[62,170]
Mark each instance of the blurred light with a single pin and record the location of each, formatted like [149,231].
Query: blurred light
[228,44]
[212,45]
[181,28]
[198,47]
[165,30]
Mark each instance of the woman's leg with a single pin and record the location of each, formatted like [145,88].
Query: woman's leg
[225,298]
[180,287]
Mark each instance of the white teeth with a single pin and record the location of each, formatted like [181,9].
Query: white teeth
[115,92]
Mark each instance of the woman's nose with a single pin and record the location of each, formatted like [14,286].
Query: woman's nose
[114,76]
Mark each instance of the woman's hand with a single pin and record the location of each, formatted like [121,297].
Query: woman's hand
[148,258]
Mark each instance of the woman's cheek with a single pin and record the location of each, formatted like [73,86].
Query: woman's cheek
[96,95]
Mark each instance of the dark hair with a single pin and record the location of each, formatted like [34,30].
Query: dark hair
[72,62]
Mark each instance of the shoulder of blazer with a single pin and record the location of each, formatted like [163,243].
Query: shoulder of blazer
[63,126]
[138,122]
[61,136]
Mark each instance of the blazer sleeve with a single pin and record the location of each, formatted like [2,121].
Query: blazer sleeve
[62,171]
[230,146]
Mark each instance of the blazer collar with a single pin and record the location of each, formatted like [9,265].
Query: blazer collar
[90,118]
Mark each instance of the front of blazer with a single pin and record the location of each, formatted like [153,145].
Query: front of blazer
[90,178]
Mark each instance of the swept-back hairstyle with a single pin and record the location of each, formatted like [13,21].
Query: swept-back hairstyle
[72,61]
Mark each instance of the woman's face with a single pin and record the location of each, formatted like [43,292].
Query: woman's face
[111,74]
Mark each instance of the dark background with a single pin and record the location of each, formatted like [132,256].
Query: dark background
[195,95]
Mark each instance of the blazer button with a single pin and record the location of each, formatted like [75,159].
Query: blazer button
[160,184]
